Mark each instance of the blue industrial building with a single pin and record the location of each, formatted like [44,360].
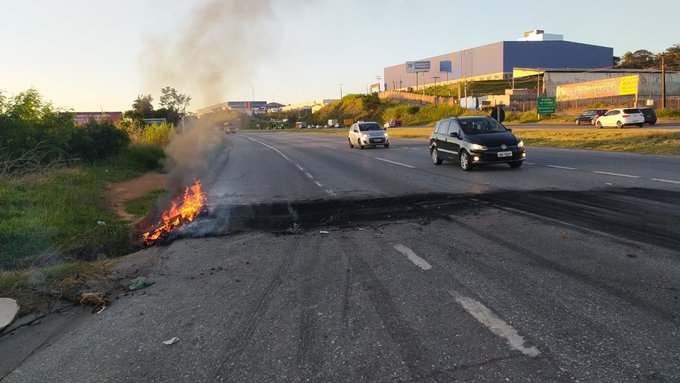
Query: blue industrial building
[496,61]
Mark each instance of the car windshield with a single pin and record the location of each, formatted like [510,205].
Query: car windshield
[481,126]
[631,111]
[367,127]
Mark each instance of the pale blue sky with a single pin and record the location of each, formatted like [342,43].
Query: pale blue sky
[93,55]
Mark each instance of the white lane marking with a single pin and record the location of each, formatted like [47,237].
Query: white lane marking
[495,324]
[395,163]
[615,174]
[529,163]
[413,257]
[559,167]
[667,181]
[328,191]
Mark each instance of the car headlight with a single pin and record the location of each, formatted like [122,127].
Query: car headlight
[477,147]
[520,144]
[365,136]
[386,136]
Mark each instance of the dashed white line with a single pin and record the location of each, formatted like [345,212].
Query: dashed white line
[615,174]
[413,257]
[395,163]
[667,181]
[529,163]
[495,324]
[559,167]
[309,175]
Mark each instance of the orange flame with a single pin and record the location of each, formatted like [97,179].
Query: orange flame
[191,204]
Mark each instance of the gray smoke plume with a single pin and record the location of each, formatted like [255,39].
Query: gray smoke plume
[218,48]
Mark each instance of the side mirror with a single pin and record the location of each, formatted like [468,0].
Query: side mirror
[453,134]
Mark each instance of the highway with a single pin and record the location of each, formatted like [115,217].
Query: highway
[317,262]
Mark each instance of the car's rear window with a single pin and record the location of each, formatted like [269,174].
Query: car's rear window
[631,111]
[367,127]
[481,126]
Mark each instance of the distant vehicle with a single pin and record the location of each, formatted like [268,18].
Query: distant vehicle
[337,125]
[332,122]
[650,115]
[364,134]
[620,118]
[300,125]
[393,123]
[474,141]
[589,116]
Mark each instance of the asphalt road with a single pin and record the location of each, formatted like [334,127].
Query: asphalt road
[561,125]
[317,262]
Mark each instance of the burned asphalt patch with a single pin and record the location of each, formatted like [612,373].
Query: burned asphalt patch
[643,215]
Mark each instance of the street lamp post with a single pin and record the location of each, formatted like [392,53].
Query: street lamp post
[340,91]
[435,88]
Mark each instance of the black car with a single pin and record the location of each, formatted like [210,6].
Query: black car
[650,115]
[589,116]
[473,141]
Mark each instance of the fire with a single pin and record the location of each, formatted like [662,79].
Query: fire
[189,206]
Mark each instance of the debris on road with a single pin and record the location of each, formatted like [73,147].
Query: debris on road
[139,283]
[8,310]
[101,223]
[323,232]
[171,341]
[97,300]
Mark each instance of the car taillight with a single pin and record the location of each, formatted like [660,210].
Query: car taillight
[625,115]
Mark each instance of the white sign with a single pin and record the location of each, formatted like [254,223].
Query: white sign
[417,66]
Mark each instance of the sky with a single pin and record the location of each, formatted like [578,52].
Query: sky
[95,55]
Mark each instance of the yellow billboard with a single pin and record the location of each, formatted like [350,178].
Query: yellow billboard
[525,72]
[619,86]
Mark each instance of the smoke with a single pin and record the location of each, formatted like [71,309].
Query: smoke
[218,47]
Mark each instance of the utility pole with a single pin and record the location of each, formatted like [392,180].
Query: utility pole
[340,91]
[663,81]
[435,88]
[379,78]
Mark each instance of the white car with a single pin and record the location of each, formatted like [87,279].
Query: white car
[364,134]
[620,118]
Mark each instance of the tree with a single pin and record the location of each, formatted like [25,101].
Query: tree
[142,108]
[640,59]
[672,57]
[175,103]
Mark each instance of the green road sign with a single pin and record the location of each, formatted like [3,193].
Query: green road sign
[546,105]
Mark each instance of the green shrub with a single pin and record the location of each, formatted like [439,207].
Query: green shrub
[667,113]
[158,134]
[139,157]
[97,140]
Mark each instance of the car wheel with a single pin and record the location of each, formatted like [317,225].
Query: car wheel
[387,146]
[515,165]
[578,122]
[361,146]
[598,124]
[619,124]
[350,143]
[465,162]
[435,156]
[652,123]
[640,125]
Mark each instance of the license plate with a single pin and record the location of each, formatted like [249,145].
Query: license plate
[377,139]
[504,154]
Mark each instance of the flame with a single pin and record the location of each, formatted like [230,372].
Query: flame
[190,205]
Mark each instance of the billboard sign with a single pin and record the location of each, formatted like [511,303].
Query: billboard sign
[619,86]
[445,66]
[417,66]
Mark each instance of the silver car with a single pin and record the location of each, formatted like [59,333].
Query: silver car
[364,134]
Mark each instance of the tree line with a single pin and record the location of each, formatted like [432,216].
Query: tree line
[644,59]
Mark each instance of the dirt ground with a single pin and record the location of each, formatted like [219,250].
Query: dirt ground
[121,192]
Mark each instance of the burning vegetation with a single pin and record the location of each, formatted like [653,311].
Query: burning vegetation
[182,211]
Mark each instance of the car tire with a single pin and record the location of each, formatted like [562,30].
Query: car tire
[434,154]
[361,146]
[652,123]
[465,162]
[516,164]
[619,124]
[598,124]
[351,145]
[640,125]
[387,146]
[578,122]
